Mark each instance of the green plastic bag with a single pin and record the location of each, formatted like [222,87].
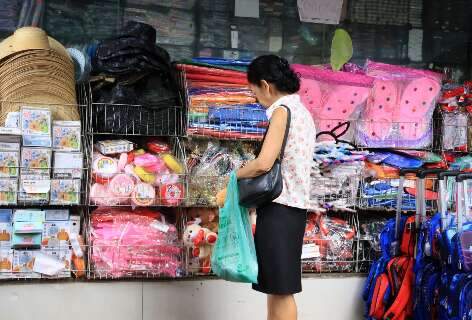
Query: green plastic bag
[234,256]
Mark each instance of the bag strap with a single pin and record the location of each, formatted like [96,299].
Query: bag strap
[287,129]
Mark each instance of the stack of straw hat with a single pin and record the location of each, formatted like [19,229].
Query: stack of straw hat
[37,71]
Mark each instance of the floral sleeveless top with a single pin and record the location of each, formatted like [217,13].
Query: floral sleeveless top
[298,157]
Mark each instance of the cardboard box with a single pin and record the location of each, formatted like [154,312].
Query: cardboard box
[8,191]
[68,165]
[66,135]
[36,127]
[114,146]
[65,257]
[34,189]
[6,230]
[10,142]
[57,215]
[23,263]
[6,263]
[56,234]
[36,161]
[65,192]
[23,227]
[26,240]
[9,163]
[28,215]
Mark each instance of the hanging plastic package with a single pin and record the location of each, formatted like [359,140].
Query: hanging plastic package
[399,111]
[333,98]
[234,257]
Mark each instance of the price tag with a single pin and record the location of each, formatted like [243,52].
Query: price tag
[310,250]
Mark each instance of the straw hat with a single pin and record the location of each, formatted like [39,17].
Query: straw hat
[36,70]
[30,38]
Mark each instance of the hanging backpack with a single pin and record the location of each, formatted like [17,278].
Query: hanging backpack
[401,278]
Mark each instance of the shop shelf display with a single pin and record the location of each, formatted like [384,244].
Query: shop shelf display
[129,244]
[220,105]
[209,164]
[144,172]
[41,244]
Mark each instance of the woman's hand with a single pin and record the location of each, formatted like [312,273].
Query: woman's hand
[221,198]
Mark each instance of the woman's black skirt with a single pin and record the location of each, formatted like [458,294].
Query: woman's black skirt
[279,240]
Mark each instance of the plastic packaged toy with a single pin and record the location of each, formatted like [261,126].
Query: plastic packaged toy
[399,112]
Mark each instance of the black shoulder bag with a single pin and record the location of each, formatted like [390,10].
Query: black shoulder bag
[254,192]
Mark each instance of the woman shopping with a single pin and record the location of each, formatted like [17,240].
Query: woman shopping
[281,223]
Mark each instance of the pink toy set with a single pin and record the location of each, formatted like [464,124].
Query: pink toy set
[333,98]
[127,243]
[399,111]
[391,105]
[139,178]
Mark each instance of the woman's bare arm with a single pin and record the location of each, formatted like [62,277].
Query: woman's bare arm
[270,149]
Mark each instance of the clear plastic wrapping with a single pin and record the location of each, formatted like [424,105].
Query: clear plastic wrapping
[331,242]
[333,97]
[133,243]
[400,109]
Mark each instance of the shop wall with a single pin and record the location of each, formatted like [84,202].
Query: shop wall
[323,298]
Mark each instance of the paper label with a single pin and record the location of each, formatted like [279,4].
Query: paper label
[36,186]
[234,39]
[310,250]
[320,11]
[246,8]
[275,44]
[415,45]
[47,264]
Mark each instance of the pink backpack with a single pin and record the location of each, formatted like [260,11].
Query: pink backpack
[333,97]
[399,111]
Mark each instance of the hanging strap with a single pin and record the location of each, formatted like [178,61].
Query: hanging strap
[287,129]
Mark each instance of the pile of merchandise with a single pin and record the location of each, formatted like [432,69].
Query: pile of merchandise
[133,243]
[40,244]
[328,244]
[44,149]
[199,237]
[209,165]
[123,175]
[134,90]
[335,176]
[426,268]
[381,178]
[220,103]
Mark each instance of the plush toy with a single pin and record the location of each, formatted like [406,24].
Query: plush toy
[201,241]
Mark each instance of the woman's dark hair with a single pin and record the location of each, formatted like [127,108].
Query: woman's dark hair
[274,70]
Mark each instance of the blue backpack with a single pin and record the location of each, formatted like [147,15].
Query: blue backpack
[456,304]
[426,297]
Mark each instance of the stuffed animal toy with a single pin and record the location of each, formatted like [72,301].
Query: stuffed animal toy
[201,241]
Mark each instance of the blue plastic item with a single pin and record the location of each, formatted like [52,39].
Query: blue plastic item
[229,128]
[222,61]
[234,257]
[253,113]
[402,162]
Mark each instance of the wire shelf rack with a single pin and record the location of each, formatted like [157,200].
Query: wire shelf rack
[161,117]
[339,191]
[381,194]
[233,121]
[157,253]
[143,189]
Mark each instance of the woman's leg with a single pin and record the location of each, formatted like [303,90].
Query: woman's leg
[281,307]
